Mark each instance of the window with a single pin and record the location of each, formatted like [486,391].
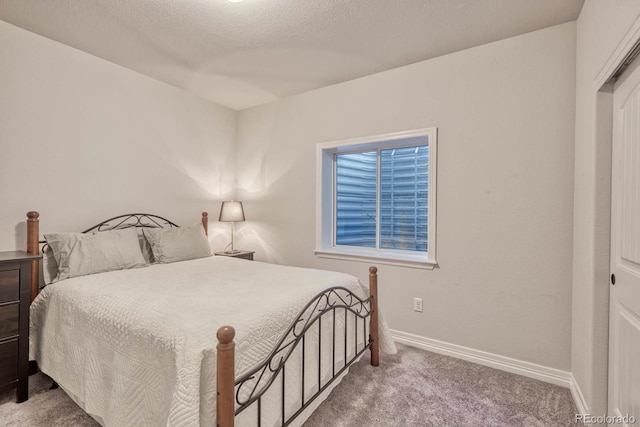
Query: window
[376,198]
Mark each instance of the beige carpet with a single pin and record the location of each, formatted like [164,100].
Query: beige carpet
[411,388]
[420,388]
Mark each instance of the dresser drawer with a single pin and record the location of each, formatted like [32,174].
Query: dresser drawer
[8,361]
[9,285]
[9,320]
[15,284]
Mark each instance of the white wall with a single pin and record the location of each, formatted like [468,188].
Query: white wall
[505,118]
[600,28]
[82,139]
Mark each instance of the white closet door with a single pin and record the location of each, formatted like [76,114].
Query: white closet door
[624,315]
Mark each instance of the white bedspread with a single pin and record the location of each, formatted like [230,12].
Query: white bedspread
[137,347]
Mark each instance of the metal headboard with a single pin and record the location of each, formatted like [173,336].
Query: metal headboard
[135,220]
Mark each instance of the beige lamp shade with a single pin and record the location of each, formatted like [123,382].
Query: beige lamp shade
[231,212]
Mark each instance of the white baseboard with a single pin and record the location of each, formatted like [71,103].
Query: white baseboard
[578,397]
[515,366]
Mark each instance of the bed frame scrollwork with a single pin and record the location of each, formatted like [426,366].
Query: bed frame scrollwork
[235,395]
[134,220]
[251,386]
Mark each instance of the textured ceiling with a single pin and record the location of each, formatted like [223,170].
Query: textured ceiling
[256,51]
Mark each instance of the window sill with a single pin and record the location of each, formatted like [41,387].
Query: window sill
[400,260]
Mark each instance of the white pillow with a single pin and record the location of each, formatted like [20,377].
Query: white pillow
[145,247]
[79,254]
[49,265]
[177,243]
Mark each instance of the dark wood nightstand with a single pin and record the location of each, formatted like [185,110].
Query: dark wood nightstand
[240,254]
[15,281]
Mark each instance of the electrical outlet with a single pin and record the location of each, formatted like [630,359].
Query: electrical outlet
[417,305]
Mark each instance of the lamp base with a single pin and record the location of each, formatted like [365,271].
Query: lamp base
[232,251]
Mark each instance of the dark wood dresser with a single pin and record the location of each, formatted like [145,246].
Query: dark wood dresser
[15,280]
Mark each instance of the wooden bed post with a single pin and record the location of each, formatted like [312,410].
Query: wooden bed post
[33,247]
[205,222]
[226,371]
[373,290]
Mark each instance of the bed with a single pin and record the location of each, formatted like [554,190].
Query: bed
[153,345]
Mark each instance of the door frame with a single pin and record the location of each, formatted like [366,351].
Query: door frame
[603,91]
